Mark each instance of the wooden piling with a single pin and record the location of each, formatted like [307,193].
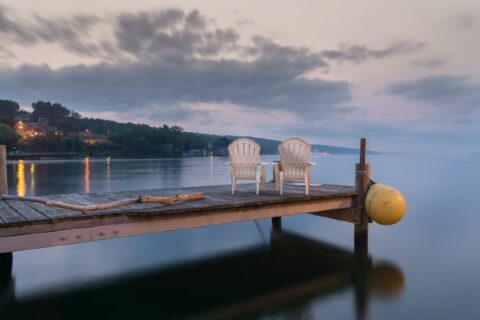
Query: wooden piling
[7,257]
[3,170]
[6,262]
[277,223]
[362,183]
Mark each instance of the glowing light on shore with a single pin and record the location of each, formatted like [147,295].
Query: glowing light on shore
[21,185]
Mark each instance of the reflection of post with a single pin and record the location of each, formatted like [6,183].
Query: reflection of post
[362,266]
[211,169]
[32,178]
[362,182]
[109,184]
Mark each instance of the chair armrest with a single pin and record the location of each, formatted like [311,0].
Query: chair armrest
[228,163]
[312,163]
[264,163]
[277,166]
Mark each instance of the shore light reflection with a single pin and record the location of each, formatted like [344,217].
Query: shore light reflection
[32,178]
[109,185]
[21,185]
[87,174]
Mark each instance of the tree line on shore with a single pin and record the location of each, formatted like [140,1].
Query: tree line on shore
[117,139]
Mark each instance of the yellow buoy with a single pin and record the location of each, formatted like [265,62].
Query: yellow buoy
[384,204]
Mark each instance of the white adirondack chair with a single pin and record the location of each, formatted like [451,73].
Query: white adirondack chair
[244,155]
[294,163]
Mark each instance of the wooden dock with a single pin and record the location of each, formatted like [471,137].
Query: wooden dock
[28,225]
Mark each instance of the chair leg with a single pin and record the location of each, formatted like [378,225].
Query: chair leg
[307,187]
[258,185]
[281,182]
[233,185]
[276,176]
[263,179]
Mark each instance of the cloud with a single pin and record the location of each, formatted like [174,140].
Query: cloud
[360,53]
[430,63]
[170,58]
[451,92]
[245,23]
[69,32]
[5,53]
[14,29]
[171,32]
[463,21]
[260,83]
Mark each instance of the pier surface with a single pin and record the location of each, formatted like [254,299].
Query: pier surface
[28,225]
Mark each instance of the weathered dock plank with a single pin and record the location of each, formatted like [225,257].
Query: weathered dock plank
[29,213]
[51,212]
[9,215]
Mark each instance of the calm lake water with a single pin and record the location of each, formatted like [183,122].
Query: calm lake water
[425,267]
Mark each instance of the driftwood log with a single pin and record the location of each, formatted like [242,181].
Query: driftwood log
[110,205]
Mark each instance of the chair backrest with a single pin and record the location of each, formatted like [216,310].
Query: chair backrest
[244,150]
[294,151]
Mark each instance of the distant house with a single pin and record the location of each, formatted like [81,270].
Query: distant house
[86,134]
[28,129]
[25,129]
[223,151]
[91,138]
[44,129]
[27,117]
[197,153]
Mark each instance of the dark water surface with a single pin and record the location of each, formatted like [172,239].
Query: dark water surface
[425,267]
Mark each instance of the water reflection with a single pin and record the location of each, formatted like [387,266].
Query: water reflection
[283,277]
[32,176]
[97,175]
[87,174]
[109,184]
[388,281]
[21,184]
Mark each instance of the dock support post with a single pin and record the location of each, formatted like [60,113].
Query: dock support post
[362,183]
[5,258]
[6,261]
[3,170]
[277,223]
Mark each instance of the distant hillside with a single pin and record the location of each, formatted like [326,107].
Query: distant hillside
[53,128]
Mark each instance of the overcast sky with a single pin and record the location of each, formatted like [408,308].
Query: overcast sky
[405,74]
